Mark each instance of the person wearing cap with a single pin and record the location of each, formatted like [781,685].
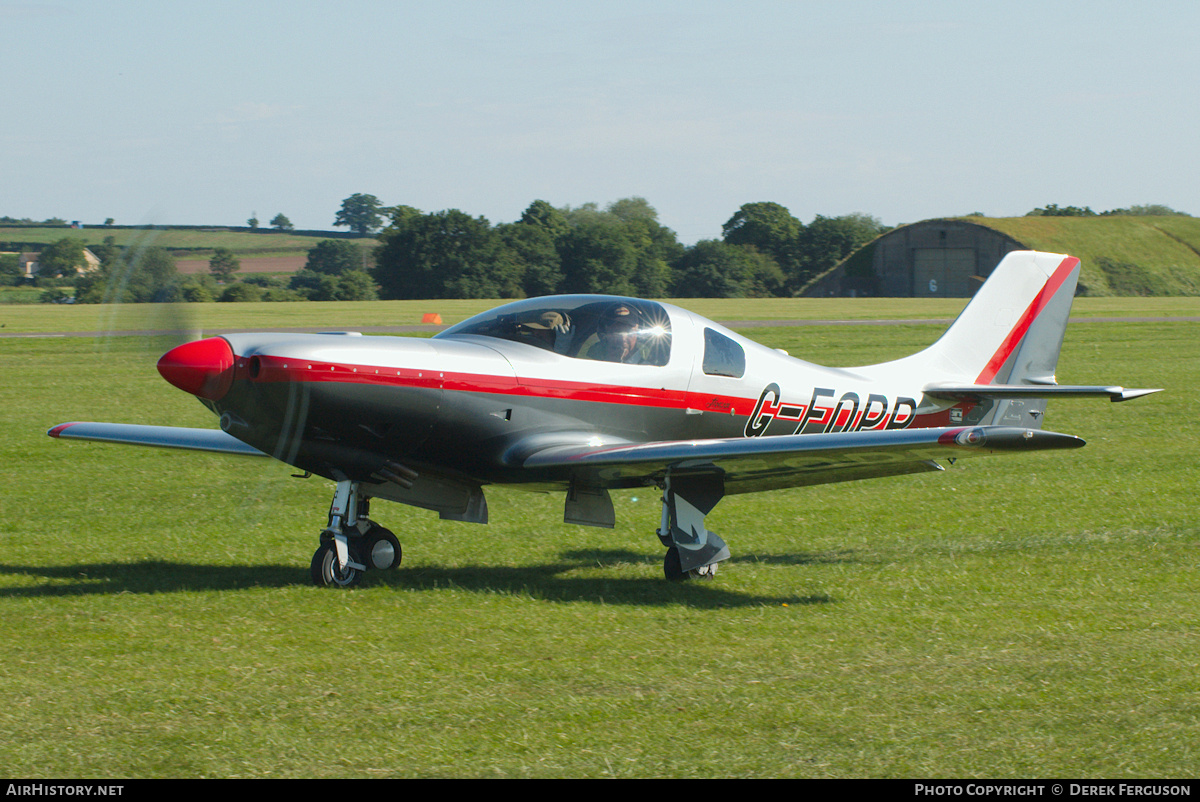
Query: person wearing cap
[618,331]
[543,328]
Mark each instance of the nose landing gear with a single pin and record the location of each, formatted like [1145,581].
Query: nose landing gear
[352,544]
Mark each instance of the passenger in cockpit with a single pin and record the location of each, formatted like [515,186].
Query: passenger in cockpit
[543,329]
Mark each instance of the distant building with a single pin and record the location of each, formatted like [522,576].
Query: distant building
[930,259]
[29,263]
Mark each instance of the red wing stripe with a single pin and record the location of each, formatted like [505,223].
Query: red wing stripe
[60,428]
[1049,289]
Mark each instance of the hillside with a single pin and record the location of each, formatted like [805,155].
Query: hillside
[1121,255]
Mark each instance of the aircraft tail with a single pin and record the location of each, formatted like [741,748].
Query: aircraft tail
[1007,339]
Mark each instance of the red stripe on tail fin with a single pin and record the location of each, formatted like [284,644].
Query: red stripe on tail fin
[1018,332]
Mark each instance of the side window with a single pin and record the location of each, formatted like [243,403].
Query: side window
[723,356]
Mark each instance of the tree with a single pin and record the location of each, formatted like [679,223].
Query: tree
[445,254]
[770,229]
[620,249]
[253,221]
[544,216]
[361,213]
[223,264]
[239,292]
[656,245]
[398,216]
[196,292]
[353,285]
[140,276]
[631,209]
[308,284]
[597,256]
[828,240]
[61,258]
[716,269]
[356,285]
[334,257]
[1149,209]
[280,223]
[1054,210]
[10,269]
[529,249]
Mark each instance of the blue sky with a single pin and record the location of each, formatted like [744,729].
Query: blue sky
[204,113]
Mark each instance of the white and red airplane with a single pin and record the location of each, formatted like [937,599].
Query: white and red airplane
[582,394]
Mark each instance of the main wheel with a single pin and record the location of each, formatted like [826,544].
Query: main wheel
[672,567]
[381,549]
[325,570]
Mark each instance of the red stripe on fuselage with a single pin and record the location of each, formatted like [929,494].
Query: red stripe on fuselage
[282,369]
[1022,327]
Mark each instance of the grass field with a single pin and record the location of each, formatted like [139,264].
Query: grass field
[1031,616]
[1161,255]
[102,319]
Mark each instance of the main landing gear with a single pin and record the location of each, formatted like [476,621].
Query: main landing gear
[352,543]
[693,552]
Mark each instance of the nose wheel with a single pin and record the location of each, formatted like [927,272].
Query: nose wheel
[326,572]
[352,544]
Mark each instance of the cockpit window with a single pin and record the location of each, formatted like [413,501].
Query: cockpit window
[723,356]
[602,328]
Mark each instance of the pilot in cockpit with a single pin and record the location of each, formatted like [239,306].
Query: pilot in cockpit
[618,331]
[543,329]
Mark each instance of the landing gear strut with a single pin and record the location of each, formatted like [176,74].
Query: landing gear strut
[693,552]
[352,543]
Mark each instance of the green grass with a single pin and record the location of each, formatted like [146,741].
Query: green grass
[198,241]
[1012,617]
[348,315]
[1163,253]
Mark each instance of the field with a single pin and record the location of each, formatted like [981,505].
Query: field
[1022,617]
[179,240]
[260,250]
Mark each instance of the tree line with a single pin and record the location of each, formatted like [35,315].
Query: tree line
[621,249]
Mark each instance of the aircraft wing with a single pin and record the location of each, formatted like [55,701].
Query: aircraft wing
[765,463]
[159,436]
[951,391]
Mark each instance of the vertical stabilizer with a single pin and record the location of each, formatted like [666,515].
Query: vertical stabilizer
[1010,333]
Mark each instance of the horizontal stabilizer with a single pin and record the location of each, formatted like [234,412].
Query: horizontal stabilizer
[157,436]
[951,391]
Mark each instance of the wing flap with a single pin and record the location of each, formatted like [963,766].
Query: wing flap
[767,463]
[156,436]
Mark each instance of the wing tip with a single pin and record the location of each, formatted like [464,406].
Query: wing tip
[1128,394]
[1006,438]
[56,431]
